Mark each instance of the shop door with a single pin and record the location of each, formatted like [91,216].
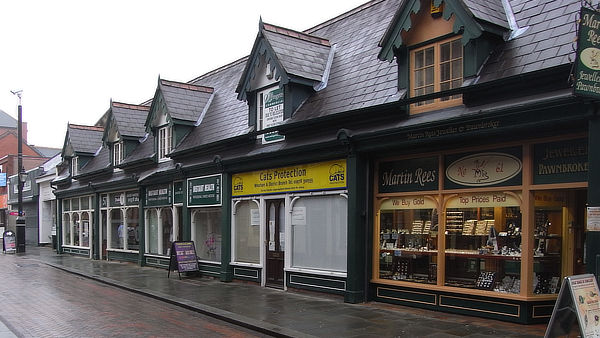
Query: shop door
[275,242]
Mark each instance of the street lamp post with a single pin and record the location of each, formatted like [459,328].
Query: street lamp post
[20,218]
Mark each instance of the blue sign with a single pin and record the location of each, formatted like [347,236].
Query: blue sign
[2,179]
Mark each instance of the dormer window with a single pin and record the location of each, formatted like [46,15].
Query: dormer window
[74,166]
[164,142]
[117,153]
[436,67]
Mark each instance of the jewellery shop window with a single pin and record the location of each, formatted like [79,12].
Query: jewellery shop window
[483,242]
[408,229]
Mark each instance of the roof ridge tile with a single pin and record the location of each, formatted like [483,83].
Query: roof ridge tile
[296,34]
[130,106]
[188,86]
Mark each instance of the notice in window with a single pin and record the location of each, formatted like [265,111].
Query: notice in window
[593,218]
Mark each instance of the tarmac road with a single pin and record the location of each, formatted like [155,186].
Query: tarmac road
[40,301]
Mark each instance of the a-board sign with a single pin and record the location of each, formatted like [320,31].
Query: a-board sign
[9,245]
[183,257]
[578,301]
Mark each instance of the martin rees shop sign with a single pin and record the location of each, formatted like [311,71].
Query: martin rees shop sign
[587,75]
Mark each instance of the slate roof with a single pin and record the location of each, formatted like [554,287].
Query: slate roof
[300,54]
[46,151]
[99,162]
[185,101]
[548,42]
[7,121]
[130,118]
[84,139]
[227,116]
[144,151]
[488,10]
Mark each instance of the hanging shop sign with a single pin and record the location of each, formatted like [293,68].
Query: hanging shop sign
[409,203]
[178,192]
[2,179]
[483,200]
[204,191]
[560,162]
[408,175]
[159,195]
[303,177]
[497,168]
[123,198]
[587,76]
[272,114]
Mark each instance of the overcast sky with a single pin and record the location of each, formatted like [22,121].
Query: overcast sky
[71,57]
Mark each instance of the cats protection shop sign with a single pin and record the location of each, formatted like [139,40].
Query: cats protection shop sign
[304,177]
[587,72]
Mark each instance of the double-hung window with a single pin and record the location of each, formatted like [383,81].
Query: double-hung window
[117,153]
[164,142]
[436,67]
[75,166]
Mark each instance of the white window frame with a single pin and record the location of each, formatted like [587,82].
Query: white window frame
[75,165]
[71,213]
[117,153]
[164,143]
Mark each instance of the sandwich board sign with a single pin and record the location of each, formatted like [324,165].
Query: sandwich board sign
[578,301]
[183,257]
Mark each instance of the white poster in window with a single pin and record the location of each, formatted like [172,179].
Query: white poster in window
[299,216]
[272,232]
[254,217]
[282,241]
[593,218]
[271,245]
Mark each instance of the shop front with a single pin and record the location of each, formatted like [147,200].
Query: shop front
[119,235]
[77,222]
[487,231]
[163,222]
[289,226]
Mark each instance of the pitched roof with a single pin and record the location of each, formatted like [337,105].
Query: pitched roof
[491,11]
[84,139]
[300,54]
[129,118]
[7,121]
[548,41]
[46,151]
[99,162]
[185,101]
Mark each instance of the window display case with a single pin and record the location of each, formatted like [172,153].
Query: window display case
[483,242]
[408,239]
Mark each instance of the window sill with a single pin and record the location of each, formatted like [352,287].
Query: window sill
[318,272]
[123,250]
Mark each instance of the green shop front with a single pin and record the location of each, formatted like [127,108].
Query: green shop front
[289,226]
[120,230]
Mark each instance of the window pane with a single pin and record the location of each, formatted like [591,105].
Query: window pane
[117,229]
[419,79]
[152,229]
[445,52]
[456,69]
[247,233]
[207,237]
[445,71]
[419,59]
[76,229]
[319,238]
[429,58]
[457,50]
[67,229]
[133,236]
[429,74]
[85,230]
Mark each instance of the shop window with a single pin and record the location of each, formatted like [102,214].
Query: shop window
[85,229]
[152,229]
[164,142]
[167,230]
[247,232]
[483,242]
[408,235]
[319,233]
[206,233]
[117,153]
[436,67]
[117,240]
[132,237]
[76,230]
[67,229]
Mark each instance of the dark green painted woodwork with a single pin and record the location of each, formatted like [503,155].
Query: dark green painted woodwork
[357,229]
[226,269]
[77,252]
[96,228]
[407,297]
[294,96]
[156,262]
[213,270]
[592,239]
[187,215]
[179,132]
[326,284]
[59,229]
[123,256]
[244,273]
[403,61]
[393,39]
[142,225]
[475,53]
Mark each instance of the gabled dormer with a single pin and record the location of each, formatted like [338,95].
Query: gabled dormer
[284,68]
[441,45]
[80,146]
[124,130]
[176,109]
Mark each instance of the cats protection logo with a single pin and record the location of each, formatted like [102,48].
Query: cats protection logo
[337,173]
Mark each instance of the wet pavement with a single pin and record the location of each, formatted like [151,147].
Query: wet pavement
[280,313]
